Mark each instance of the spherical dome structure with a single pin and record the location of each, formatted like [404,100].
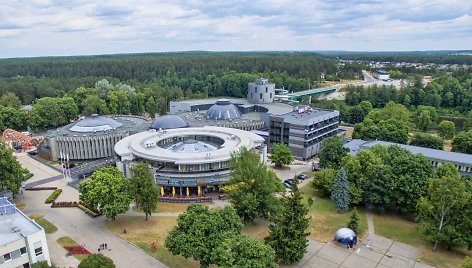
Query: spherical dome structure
[223,110]
[345,236]
[95,123]
[169,121]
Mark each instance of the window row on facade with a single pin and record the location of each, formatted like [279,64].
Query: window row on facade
[89,147]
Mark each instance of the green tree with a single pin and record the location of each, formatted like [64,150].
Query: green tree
[468,121]
[426,117]
[287,231]
[441,210]
[323,181]
[13,118]
[142,188]
[332,151]
[200,231]
[353,221]
[96,260]
[447,129]
[462,142]
[42,264]
[11,172]
[243,251]
[10,100]
[251,186]
[467,262]
[91,105]
[151,107]
[340,194]
[424,122]
[281,155]
[107,190]
[427,140]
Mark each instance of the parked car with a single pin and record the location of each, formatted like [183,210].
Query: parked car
[302,176]
[288,181]
[286,185]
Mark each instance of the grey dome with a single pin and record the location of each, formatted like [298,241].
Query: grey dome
[95,123]
[169,121]
[191,146]
[223,110]
[345,236]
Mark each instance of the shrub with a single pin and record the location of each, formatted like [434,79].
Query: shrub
[53,196]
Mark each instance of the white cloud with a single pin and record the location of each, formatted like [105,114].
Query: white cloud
[56,27]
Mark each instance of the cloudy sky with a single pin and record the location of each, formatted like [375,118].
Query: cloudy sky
[77,27]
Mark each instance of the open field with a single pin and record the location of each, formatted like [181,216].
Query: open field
[403,230]
[66,241]
[49,228]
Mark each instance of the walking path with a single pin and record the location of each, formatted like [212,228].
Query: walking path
[74,223]
[370,223]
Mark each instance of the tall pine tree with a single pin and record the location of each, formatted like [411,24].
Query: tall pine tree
[287,235]
[340,194]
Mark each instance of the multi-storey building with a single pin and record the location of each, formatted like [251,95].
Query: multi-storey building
[22,241]
[261,91]
[303,129]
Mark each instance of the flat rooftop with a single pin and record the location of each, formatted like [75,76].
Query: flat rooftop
[307,116]
[129,124]
[458,158]
[274,108]
[14,225]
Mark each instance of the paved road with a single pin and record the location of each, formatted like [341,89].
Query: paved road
[74,223]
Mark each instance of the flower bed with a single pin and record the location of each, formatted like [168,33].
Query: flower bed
[53,196]
[197,199]
[67,204]
[41,188]
[77,250]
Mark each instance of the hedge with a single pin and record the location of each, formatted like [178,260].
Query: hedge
[53,196]
[41,188]
[68,204]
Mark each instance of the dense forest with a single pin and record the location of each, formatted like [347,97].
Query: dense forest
[221,74]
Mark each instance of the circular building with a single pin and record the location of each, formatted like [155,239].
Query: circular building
[186,161]
[169,121]
[90,138]
[345,237]
[223,109]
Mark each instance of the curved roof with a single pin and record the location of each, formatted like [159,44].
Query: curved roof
[344,233]
[169,121]
[95,123]
[223,109]
[143,145]
[191,146]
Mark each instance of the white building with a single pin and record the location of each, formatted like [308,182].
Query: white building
[261,91]
[22,241]
[382,75]
[187,158]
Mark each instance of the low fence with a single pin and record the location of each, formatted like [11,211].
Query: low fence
[199,199]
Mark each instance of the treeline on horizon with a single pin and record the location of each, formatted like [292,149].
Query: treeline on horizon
[438,57]
[218,74]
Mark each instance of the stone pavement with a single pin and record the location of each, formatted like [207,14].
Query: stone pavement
[74,223]
[382,253]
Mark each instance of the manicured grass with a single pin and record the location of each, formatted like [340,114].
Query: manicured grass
[325,220]
[66,241]
[49,228]
[142,233]
[397,228]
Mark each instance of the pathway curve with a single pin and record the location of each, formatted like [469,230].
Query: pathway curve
[370,223]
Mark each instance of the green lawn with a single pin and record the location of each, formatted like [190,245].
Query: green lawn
[66,241]
[325,220]
[397,228]
[142,233]
[49,228]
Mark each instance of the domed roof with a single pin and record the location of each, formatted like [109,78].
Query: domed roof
[223,110]
[345,236]
[95,123]
[169,121]
[191,146]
